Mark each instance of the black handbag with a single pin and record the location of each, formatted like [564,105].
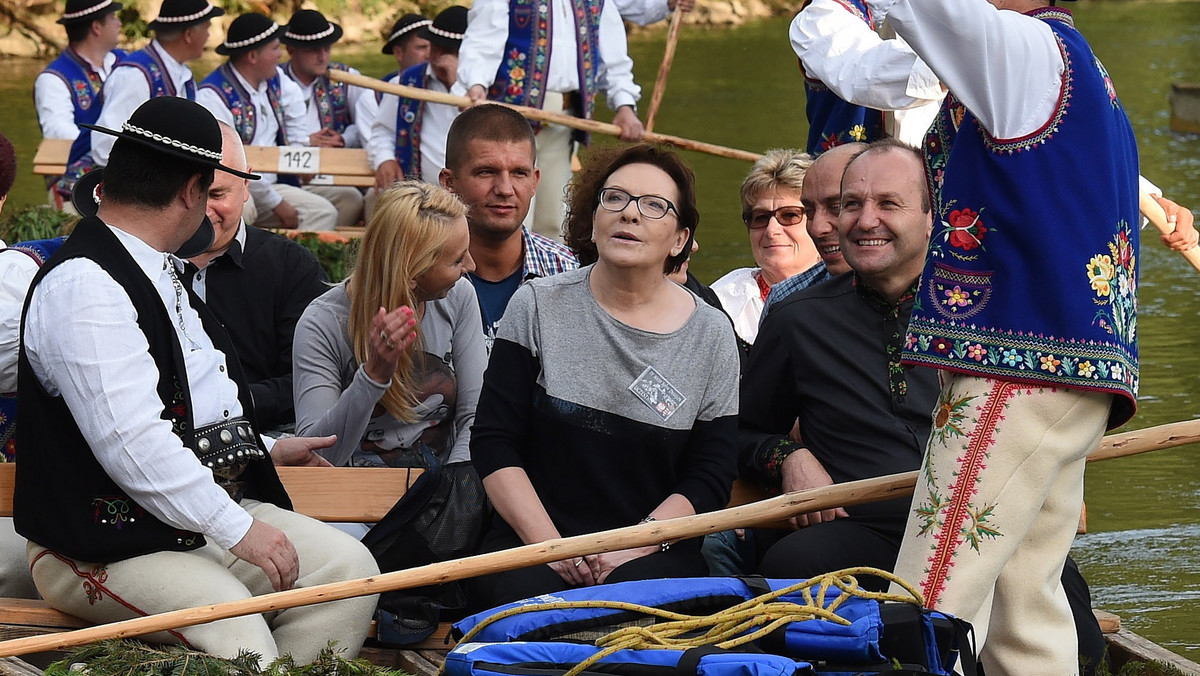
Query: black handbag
[441,517]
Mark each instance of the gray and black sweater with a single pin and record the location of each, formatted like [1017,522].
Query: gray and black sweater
[606,419]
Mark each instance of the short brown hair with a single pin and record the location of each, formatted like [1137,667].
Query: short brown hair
[584,196]
[487,122]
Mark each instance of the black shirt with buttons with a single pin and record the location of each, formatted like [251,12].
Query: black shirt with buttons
[829,356]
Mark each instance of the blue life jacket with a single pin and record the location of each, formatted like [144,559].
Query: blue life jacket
[875,633]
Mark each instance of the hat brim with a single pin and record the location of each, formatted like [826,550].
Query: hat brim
[415,31]
[212,13]
[174,152]
[85,197]
[323,42]
[88,18]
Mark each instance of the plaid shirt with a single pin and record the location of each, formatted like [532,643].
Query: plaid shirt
[544,256]
[810,277]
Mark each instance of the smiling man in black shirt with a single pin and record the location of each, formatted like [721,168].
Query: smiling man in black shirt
[830,356]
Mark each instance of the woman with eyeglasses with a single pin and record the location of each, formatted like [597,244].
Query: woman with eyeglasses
[611,394]
[781,247]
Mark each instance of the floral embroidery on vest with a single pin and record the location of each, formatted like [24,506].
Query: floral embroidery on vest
[1113,277]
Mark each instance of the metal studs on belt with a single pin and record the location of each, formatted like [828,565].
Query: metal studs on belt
[203,444]
[226,437]
[244,433]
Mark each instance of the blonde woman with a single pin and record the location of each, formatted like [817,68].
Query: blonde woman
[392,359]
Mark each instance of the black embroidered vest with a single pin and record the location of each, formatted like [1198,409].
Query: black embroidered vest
[64,500]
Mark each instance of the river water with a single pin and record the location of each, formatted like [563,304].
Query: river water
[741,88]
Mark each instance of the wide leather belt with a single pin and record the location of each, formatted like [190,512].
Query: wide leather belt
[227,448]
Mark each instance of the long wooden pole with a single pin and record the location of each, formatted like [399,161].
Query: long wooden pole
[664,68]
[763,511]
[591,126]
[1154,213]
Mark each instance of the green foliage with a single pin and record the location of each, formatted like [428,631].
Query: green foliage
[1132,668]
[120,658]
[36,222]
[336,257]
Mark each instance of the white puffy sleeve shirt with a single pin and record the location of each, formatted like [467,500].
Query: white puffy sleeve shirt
[56,106]
[126,89]
[1003,65]
[84,344]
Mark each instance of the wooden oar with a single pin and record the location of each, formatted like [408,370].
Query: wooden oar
[764,511]
[1154,213]
[591,126]
[664,69]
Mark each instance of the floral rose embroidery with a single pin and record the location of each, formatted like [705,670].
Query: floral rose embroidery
[966,230]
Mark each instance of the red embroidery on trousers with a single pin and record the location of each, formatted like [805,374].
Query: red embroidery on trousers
[93,585]
[971,464]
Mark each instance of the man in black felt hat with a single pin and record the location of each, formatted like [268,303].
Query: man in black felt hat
[250,93]
[409,48]
[69,91]
[158,69]
[408,137]
[125,377]
[329,106]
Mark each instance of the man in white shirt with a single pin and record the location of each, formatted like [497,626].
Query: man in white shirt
[69,91]
[129,380]
[250,93]
[529,52]
[158,69]
[329,106]
[409,49]
[408,138]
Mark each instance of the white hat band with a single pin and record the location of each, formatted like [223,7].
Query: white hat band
[190,17]
[195,150]
[89,10]
[315,36]
[249,41]
[446,34]
[410,27]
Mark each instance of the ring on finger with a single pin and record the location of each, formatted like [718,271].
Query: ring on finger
[578,563]
[387,341]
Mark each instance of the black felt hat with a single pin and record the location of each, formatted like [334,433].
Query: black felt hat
[310,28]
[448,28]
[179,14]
[403,26]
[248,31]
[86,195]
[177,127]
[81,11]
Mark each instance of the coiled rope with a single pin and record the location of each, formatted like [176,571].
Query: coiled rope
[743,623]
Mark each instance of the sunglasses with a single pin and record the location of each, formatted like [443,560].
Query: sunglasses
[761,218]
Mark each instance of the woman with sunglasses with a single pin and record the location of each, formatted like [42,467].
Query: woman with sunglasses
[611,394]
[781,247]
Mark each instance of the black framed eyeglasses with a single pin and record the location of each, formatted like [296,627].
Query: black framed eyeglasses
[650,206]
[756,219]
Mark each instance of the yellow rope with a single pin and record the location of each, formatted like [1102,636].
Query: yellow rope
[743,623]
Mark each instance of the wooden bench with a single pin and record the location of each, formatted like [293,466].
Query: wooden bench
[335,166]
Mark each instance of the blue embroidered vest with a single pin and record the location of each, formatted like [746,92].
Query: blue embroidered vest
[224,82]
[385,78]
[408,123]
[833,121]
[521,79]
[86,89]
[87,95]
[333,108]
[1032,267]
[149,61]
[39,250]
